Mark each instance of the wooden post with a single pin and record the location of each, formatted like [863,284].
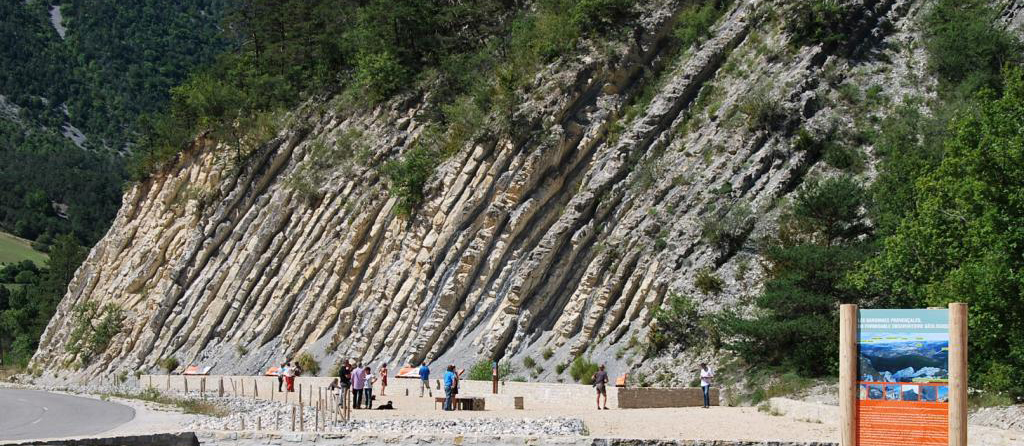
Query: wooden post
[302,418]
[316,418]
[957,374]
[168,381]
[293,418]
[255,390]
[220,388]
[202,387]
[300,395]
[234,391]
[185,379]
[848,375]
[259,424]
[243,422]
[150,380]
[277,420]
[241,383]
[494,378]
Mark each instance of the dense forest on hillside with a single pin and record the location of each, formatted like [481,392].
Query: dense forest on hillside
[68,112]
[117,61]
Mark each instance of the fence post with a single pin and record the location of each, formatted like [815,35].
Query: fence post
[957,374]
[848,375]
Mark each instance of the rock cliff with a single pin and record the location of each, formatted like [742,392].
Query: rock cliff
[642,169]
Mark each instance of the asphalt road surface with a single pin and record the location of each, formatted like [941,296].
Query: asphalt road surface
[33,414]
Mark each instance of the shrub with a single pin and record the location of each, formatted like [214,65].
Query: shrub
[86,338]
[675,322]
[727,228]
[481,370]
[582,370]
[708,282]
[591,16]
[547,353]
[844,157]
[966,45]
[169,364]
[695,21]
[763,112]
[381,74]
[827,22]
[308,364]
[409,175]
[559,368]
[529,363]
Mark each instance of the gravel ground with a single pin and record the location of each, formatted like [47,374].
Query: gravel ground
[1010,418]
[277,416]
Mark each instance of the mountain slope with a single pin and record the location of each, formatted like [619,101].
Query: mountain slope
[641,172]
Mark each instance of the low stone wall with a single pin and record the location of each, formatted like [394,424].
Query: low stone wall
[179,439]
[265,388]
[649,397]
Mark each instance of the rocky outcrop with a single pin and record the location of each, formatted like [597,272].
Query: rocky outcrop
[565,239]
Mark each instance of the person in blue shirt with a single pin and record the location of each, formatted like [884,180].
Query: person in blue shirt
[451,381]
[425,379]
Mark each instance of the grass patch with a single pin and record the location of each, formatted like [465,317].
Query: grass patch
[187,405]
[14,249]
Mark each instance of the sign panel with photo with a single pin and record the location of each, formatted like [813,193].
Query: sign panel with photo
[903,377]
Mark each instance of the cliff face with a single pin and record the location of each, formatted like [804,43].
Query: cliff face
[567,239]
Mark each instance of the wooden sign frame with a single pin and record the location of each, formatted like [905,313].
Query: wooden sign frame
[848,374]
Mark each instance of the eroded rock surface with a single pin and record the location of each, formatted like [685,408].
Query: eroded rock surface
[563,240]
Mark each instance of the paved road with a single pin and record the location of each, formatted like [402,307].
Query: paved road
[33,414]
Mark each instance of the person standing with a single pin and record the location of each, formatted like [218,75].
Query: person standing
[706,378]
[344,382]
[600,380]
[383,372]
[368,387]
[280,376]
[289,377]
[451,381]
[425,379]
[358,381]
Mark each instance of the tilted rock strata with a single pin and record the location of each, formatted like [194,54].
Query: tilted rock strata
[566,240]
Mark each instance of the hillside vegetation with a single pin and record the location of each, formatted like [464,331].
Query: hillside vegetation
[68,111]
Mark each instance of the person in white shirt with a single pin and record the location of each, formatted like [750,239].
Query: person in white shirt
[706,377]
[289,377]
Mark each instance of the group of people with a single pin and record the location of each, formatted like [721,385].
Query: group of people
[451,381]
[286,374]
[360,380]
[600,380]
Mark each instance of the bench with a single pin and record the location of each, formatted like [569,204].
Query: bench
[467,403]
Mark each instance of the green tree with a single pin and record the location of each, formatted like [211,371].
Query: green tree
[795,322]
[963,239]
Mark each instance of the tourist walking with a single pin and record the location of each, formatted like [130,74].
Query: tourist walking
[280,376]
[706,378]
[358,381]
[383,372]
[368,387]
[451,382]
[600,380]
[425,379]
